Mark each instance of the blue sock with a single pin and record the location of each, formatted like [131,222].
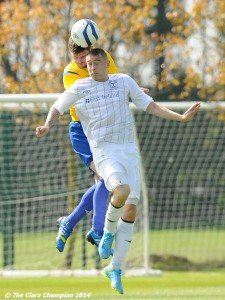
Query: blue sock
[100,198]
[85,205]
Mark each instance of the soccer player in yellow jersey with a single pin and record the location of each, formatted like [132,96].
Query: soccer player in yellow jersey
[96,196]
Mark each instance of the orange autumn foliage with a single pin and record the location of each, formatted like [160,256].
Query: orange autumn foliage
[34,35]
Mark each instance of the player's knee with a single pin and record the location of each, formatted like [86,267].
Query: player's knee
[120,194]
[123,192]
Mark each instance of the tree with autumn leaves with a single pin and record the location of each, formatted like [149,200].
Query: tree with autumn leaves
[176,48]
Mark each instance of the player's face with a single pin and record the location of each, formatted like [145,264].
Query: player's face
[80,59]
[97,67]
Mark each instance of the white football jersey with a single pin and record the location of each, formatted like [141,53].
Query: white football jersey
[103,107]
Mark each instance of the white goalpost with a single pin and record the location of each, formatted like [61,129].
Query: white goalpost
[182,205]
[35,107]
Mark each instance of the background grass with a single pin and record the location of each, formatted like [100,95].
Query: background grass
[171,286]
[202,248]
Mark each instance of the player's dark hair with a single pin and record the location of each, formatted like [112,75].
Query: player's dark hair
[98,51]
[74,48]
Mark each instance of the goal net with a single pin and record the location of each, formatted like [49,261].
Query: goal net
[181,212]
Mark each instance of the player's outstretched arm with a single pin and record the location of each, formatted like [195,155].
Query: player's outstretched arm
[53,115]
[161,111]
[191,112]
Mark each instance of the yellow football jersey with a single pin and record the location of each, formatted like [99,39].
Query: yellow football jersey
[72,72]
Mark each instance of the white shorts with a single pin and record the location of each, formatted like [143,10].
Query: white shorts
[118,164]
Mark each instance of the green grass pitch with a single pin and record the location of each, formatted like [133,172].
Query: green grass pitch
[170,286]
[36,250]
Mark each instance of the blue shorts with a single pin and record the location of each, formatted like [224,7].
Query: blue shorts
[80,143]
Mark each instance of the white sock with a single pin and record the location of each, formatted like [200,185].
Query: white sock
[112,216]
[123,239]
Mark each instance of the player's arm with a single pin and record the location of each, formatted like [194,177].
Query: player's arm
[161,111]
[145,102]
[53,116]
[63,103]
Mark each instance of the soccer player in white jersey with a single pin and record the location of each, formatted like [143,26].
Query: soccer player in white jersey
[102,104]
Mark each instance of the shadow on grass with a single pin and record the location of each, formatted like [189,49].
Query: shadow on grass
[178,263]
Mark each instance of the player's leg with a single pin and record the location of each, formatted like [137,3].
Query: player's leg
[100,197]
[113,214]
[113,224]
[123,237]
[86,203]
[116,207]
[116,181]
[82,209]
[99,207]
[125,225]
[81,147]
[123,240]
[66,225]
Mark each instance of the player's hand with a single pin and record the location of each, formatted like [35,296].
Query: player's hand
[145,90]
[42,130]
[191,112]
